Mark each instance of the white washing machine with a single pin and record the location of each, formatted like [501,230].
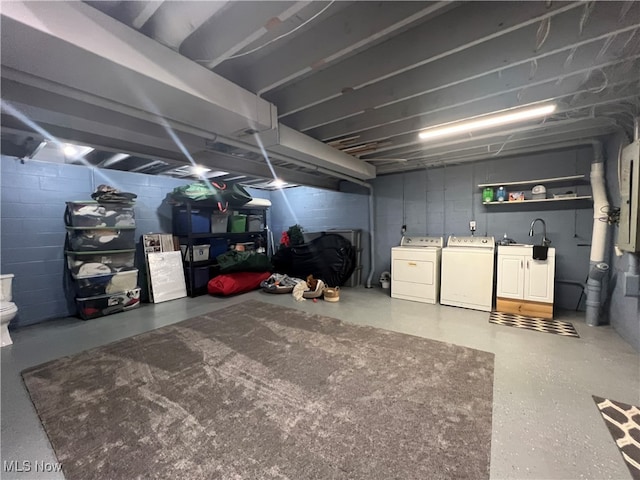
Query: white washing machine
[467,272]
[415,269]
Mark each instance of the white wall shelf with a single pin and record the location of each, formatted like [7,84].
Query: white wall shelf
[557,181]
[541,200]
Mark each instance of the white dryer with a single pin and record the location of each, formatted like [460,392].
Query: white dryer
[467,272]
[415,269]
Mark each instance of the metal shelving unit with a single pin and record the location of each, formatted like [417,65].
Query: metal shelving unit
[190,237]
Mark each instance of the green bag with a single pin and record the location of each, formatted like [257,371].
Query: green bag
[234,261]
[215,193]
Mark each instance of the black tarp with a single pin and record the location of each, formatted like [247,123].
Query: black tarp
[330,258]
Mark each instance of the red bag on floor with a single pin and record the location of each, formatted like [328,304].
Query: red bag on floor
[239,282]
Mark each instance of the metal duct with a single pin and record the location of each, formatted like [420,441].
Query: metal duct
[83,56]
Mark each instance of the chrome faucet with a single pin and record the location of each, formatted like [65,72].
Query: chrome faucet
[545,241]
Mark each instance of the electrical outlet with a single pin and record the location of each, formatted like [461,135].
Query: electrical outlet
[472,225]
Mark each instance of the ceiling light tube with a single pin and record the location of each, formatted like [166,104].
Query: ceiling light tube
[488,121]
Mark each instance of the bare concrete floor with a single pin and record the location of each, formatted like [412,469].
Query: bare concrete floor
[545,423]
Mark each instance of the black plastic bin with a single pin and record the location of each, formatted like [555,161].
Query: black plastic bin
[91,239]
[94,214]
[106,284]
[99,306]
[91,264]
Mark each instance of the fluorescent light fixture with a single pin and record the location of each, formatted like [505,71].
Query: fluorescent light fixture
[69,150]
[74,152]
[200,170]
[488,121]
[278,183]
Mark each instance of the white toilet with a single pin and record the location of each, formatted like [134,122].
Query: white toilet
[8,309]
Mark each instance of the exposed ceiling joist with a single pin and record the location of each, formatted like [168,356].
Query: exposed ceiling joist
[557,142]
[262,170]
[365,77]
[174,21]
[552,71]
[244,22]
[450,33]
[351,29]
[121,66]
[411,141]
[502,138]
[516,48]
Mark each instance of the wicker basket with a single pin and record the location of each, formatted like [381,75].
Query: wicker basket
[332,294]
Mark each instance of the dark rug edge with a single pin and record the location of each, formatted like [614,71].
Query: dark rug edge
[635,473]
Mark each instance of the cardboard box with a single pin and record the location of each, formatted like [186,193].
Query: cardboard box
[516,196]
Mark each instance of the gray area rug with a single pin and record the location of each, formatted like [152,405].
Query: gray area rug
[259,391]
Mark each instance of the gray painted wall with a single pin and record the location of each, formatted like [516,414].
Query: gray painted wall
[442,201]
[624,312]
[33,231]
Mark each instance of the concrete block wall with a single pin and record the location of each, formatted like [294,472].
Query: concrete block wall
[317,210]
[623,311]
[442,201]
[33,231]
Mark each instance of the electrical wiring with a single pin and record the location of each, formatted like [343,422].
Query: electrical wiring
[585,15]
[611,215]
[260,47]
[534,68]
[631,37]
[543,32]
[605,46]
[626,6]
[569,60]
[504,145]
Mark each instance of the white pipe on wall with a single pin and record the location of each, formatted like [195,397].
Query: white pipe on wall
[600,210]
[599,269]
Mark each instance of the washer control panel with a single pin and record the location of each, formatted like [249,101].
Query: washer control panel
[477,242]
[434,242]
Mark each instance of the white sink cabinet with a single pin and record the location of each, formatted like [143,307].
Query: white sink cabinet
[525,286]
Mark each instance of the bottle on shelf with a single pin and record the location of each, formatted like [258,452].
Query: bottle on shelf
[501,194]
[487,195]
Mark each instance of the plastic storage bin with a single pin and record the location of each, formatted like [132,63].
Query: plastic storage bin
[106,284]
[219,223]
[218,247]
[238,223]
[91,239]
[94,214]
[101,305]
[200,253]
[200,221]
[254,223]
[91,264]
[201,276]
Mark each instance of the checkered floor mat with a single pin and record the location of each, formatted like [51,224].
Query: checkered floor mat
[565,329]
[623,422]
